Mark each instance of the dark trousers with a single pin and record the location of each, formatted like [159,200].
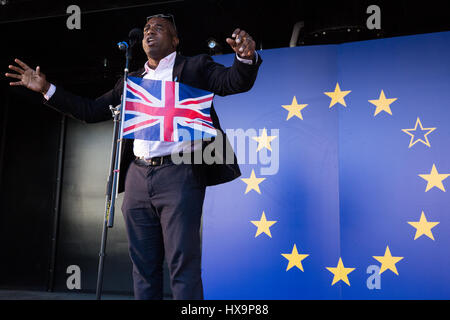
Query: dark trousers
[162,209]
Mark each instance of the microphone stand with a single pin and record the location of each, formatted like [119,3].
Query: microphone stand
[114,168]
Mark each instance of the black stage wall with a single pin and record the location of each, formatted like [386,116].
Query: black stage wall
[30,136]
[86,162]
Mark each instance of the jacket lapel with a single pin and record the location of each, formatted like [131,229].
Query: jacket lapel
[138,73]
[178,67]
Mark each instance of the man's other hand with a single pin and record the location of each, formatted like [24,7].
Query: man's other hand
[242,44]
[29,78]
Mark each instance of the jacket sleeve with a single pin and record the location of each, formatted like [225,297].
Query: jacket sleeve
[85,109]
[223,81]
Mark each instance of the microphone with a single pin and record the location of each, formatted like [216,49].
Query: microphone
[134,36]
[122,45]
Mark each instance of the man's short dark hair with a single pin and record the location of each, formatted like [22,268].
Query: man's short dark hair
[169,17]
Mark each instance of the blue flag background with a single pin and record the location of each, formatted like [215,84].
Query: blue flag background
[348,180]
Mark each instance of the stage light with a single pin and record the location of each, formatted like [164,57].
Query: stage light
[212,44]
[3,2]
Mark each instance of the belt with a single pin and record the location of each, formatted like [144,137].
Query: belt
[156,161]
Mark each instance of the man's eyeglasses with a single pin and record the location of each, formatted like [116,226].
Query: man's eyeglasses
[168,16]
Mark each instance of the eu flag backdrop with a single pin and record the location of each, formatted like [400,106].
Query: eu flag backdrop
[356,202]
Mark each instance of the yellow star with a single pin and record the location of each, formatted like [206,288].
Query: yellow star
[294,109]
[253,182]
[295,259]
[264,140]
[382,104]
[337,96]
[423,227]
[388,261]
[412,142]
[263,225]
[434,179]
[340,273]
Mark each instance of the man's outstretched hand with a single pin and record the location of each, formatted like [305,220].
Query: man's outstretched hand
[242,44]
[29,78]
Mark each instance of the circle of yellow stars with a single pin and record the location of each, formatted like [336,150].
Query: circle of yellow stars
[423,226]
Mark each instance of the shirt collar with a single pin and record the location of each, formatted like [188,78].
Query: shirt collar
[166,62]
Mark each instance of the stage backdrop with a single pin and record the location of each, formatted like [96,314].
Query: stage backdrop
[352,201]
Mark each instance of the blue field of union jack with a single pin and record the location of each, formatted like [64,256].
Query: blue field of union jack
[158,110]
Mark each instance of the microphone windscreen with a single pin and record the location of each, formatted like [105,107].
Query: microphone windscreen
[135,33]
[135,36]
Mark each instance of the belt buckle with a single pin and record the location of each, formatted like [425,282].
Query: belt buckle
[157,161]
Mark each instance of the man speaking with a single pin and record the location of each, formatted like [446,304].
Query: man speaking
[163,201]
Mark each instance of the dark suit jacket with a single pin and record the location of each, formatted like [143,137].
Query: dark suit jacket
[198,71]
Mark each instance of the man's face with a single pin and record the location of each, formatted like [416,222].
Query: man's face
[159,38]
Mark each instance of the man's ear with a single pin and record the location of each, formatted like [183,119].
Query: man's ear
[175,42]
